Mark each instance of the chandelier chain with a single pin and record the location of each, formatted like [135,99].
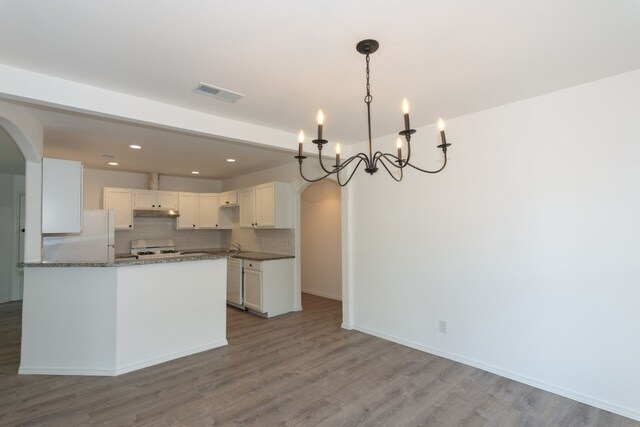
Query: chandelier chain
[368,98]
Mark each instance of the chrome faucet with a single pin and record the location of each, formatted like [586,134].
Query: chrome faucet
[236,246]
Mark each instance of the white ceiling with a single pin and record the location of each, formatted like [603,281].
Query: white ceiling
[290,58]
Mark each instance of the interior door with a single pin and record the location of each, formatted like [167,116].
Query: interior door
[18,287]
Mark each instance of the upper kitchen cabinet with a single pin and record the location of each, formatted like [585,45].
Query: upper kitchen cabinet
[61,196]
[188,207]
[121,201]
[228,199]
[209,213]
[266,206]
[153,199]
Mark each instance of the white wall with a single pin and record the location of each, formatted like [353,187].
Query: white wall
[321,239]
[526,245]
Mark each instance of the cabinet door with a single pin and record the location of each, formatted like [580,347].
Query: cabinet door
[120,200]
[188,206]
[166,199]
[253,289]
[246,200]
[208,206]
[61,196]
[144,199]
[265,206]
[229,198]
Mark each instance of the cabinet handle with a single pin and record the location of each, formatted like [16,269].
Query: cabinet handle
[194,225]
[227,202]
[129,225]
[159,206]
[153,206]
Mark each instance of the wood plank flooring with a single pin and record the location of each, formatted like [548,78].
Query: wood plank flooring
[299,369]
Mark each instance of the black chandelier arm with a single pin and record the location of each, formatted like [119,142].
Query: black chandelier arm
[433,171]
[352,172]
[393,160]
[320,160]
[343,165]
[311,180]
[384,164]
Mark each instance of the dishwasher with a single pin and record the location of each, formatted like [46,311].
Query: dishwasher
[235,291]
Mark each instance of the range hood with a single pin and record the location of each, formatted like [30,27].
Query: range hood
[156,213]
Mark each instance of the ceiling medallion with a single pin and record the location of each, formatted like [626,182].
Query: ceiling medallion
[371,161]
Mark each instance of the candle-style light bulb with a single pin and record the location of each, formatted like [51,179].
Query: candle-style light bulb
[399,146]
[443,137]
[320,123]
[337,148]
[337,154]
[405,110]
[405,106]
[300,142]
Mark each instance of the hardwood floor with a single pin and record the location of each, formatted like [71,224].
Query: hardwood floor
[296,369]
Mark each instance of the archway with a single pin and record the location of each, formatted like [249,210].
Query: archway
[12,191]
[321,240]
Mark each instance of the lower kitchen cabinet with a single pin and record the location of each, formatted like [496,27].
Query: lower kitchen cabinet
[268,286]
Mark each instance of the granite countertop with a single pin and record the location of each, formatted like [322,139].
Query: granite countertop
[257,256]
[198,255]
[126,262]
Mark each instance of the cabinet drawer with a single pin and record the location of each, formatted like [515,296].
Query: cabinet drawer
[250,264]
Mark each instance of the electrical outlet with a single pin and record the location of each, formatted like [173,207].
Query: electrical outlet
[442,326]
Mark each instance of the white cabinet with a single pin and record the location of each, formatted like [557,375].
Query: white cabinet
[247,201]
[121,201]
[61,196]
[201,210]
[209,213]
[228,199]
[188,207]
[153,199]
[268,286]
[252,288]
[266,206]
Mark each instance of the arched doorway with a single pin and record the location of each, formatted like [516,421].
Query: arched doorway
[12,196]
[321,240]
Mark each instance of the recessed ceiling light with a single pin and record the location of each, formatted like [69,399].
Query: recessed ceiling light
[195,172]
[135,147]
[113,163]
[231,160]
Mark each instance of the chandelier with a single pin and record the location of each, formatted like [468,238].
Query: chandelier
[372,160]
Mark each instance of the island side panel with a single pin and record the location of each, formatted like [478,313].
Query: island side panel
[167,311]
[68,321]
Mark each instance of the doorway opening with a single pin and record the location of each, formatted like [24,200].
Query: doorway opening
[12,190]
[320,243]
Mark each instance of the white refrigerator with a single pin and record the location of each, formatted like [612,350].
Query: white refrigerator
[93,244]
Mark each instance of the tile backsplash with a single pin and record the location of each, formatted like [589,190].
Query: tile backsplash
[278,241]
[151,228]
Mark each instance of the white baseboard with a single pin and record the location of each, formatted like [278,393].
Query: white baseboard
[349,327]
[165,358]
[322,294]
[589,400]
[119,370]
[66,371]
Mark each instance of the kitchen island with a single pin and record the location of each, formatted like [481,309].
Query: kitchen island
[113,318]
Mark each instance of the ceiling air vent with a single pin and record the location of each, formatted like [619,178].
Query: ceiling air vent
[218,93]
